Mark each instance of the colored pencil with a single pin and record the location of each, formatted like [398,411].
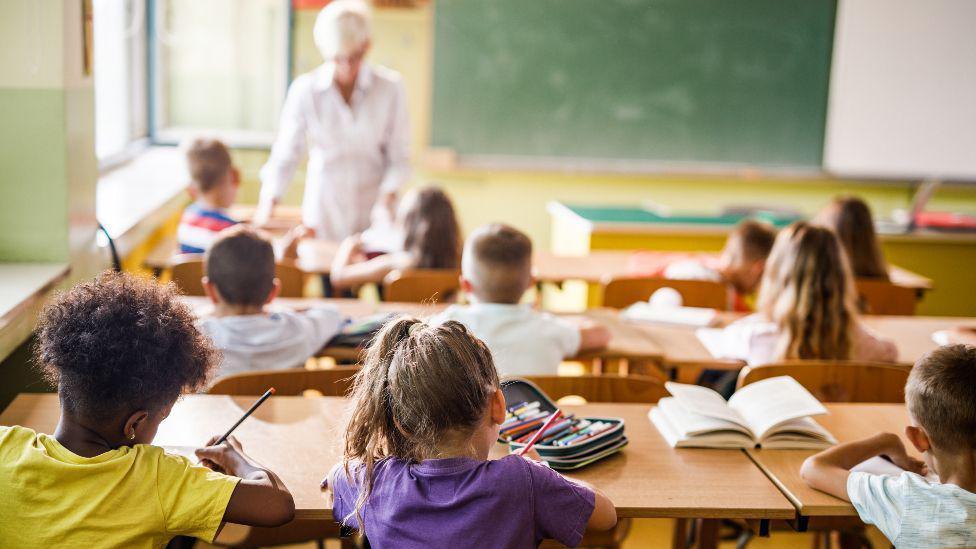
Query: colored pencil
[531,442]
[249,411]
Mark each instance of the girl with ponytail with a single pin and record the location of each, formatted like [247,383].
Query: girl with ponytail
[415,472]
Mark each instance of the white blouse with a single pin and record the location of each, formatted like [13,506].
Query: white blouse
[355,151]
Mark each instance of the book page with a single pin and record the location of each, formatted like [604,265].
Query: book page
[770,402]
[703,401]
[689,424]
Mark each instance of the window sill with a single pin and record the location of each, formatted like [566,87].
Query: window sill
[134,199]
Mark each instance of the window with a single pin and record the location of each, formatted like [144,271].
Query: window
[120,78]
[220,67]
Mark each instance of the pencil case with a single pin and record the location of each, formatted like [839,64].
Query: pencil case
[560,452]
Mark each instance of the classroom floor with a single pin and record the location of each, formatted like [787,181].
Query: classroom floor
[654,533]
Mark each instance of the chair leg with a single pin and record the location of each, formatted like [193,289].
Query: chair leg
[679,536]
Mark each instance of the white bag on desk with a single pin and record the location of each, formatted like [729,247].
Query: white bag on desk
[665,307]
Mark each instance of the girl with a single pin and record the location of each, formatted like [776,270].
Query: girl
[850,218]
[806,306]
[430,239]
[416,473]
[121,350]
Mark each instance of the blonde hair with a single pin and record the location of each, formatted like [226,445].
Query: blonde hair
[808,292]
[419,384]
[497,260]
[850,218]
[940,394]
[342,27]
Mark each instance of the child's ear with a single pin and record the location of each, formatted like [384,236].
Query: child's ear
[919,438]
[275,290]
[498,407]
[133,423]
[466,286]
[210,289]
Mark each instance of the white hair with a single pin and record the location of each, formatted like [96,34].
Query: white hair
[342,27]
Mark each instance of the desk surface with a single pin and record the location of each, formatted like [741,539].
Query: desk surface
[298,438]
[846,422]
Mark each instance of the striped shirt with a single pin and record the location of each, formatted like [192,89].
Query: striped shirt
[199,227]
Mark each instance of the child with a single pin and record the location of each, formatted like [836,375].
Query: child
[214,182]
[415,471]
[909,509]
[806,306]
[240,281]
[850,218]
[121,351]
[429,239]
[740,264]
[496,270]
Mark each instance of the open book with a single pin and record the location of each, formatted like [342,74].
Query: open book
[772,413]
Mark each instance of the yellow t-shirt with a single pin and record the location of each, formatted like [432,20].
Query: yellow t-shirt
[139,497]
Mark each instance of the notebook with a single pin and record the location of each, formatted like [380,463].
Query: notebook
[773,413]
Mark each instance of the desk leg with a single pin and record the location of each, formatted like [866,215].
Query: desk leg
[802,523]
[708,531]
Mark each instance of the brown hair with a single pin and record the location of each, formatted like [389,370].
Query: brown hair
[241,263]
[941,396]
[208,161]
[431,231]
[808,292]
[121,343]
[498,262]
[418,385]
[850,218]
[750,241]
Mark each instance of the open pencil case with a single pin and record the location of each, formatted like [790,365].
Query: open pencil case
[569,443]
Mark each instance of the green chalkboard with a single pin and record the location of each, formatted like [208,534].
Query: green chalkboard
[725,82]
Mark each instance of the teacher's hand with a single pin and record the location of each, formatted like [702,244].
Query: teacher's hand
[389,201]
[264,212]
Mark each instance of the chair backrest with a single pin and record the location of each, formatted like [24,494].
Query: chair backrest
[620,292]
[421,285]
[187,270]
[881,297]
[330,382]
[838,381]
[602,388]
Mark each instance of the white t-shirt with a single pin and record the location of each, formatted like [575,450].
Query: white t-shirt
[913,512]
[754,339]
[522,341]
[271,341]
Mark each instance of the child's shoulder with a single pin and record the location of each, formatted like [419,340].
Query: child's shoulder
[15,436]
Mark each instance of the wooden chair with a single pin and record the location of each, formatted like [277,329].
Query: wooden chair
[602,388]
[187,270]
[421,285]
[881,297]
[838,381]
[620,292]
[329,382]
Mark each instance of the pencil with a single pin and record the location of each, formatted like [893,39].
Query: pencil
[531,442]
[249,411]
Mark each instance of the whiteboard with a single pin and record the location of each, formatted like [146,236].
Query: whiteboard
[902,101]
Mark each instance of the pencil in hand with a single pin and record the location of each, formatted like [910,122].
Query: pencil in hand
[249,411]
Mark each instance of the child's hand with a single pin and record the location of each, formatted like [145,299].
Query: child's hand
[531,454]
[894,449]
[224,458]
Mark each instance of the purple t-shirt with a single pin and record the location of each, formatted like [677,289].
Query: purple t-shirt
[510,502]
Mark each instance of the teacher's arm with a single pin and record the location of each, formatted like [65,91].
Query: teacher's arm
[287,151]
[397,150]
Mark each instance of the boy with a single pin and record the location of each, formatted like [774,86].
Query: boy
[214,183]
[740,264]
[240,281]
[908,509]
[121,350]
[496,270]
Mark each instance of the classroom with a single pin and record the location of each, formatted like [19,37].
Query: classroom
[311,273]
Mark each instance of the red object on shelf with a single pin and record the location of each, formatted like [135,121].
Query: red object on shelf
[945,221]
[309,4]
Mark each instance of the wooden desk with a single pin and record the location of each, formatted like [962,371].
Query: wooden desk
[846,422]
[299,438]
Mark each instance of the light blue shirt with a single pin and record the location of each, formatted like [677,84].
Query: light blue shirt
[913,512]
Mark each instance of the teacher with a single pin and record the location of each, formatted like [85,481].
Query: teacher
[352,119]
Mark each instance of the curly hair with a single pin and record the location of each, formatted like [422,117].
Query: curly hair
[121,343]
